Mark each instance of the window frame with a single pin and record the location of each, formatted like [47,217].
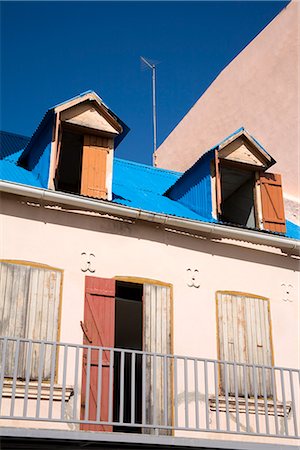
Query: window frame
[59,312]
[241,294]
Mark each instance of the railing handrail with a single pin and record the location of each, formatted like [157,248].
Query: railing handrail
[125,387]
[147,353]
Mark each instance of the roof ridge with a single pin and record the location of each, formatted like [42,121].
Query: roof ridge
[146,166]
[15,134]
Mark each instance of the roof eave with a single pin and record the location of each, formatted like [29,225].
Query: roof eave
[211,230]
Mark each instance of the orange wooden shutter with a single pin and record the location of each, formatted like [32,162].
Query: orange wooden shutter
[98,329]
[272,202]
[93,176]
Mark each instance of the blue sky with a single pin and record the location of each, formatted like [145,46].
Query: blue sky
[51,51]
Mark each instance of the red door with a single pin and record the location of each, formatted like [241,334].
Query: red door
[98,329]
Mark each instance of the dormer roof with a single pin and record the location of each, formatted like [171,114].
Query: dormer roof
[246,151]
[84,110]
[243,148]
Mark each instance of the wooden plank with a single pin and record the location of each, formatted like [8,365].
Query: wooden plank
[244,336]
[14,306]
[157,338]
[272,202]
[99,322]
[24,307]
[94,164]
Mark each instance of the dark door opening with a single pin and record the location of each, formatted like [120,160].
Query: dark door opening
[128,335]
[238,202]
[68,173]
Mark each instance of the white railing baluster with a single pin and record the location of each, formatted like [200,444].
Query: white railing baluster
[15,376]
[45,397]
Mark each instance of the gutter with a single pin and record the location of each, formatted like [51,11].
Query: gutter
[214,231]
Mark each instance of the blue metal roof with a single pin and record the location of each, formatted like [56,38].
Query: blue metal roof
[135,185]
[9,171]
[193,188]
[141,186]
[292,230]
[11,143]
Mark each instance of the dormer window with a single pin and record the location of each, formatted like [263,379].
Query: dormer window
[83,148]
[245,194]
[69,167]
[229,183]
[82,163]
[238,196]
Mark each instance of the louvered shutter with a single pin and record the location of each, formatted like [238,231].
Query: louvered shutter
[29,307]
[94,162]
[244,337]
[157,338]
[98,330]
[272,202]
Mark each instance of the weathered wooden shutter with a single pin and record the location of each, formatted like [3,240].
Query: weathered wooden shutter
[272,202]
[29,309]
[157,338]
[98,330]
[94,158]
[244,337]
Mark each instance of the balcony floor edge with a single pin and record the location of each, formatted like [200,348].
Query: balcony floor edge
[36,438]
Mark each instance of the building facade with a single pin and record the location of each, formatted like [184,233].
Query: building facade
[139,306]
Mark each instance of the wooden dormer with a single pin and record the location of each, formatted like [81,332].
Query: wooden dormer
[245,194]
[82,149]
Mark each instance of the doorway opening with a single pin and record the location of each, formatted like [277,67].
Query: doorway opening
[237,193]
[128,335]
[68,174]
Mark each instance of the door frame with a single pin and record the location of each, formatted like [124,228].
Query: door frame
[142,280]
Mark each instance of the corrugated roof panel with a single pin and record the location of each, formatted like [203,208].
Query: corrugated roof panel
[140,176]
[10,172]
[292,230]
[193,189]
[142,187]
[38,142]
[10,143]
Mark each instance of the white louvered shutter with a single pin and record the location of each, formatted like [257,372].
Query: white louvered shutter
[29,305]
[244,337]
[157,338]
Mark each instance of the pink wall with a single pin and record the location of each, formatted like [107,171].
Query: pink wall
[259,90]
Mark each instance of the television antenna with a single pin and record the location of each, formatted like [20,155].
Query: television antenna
[152,65]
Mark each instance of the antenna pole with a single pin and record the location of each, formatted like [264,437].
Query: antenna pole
[153,68]
[154,110]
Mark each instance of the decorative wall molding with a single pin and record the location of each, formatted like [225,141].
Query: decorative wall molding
[287,292]
[88,260]
[193,278]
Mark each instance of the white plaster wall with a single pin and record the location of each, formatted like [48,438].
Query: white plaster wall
[58,238]
[125,249]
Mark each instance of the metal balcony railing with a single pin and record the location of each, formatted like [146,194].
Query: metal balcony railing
[109,389]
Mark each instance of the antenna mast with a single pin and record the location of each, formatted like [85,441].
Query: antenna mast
[152,66]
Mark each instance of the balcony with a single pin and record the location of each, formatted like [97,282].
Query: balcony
[141,395]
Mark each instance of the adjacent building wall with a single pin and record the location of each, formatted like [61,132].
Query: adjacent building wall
[259,90]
